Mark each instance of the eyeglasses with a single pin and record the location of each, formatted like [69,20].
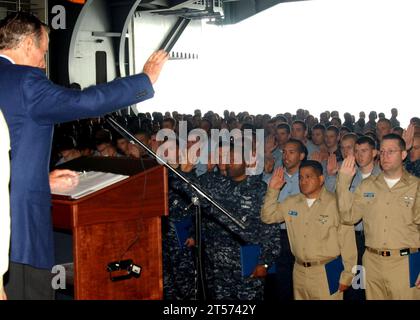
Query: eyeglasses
[388,152]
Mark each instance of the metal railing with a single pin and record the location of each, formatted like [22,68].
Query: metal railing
[34,6]
[13,6]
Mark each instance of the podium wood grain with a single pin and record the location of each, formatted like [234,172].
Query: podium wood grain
[104,224]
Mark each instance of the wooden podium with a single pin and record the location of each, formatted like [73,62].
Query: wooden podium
[122,221]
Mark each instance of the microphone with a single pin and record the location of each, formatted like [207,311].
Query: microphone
[194,201]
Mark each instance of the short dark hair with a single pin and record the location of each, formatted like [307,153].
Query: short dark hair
[301,146]
[399,129]
[336,118]
[394,136]
[85,142]
[314,165]
[144,133]
[248,126]
[302,123]
[344,128]
[415,120]
[319,126]
[103,136]
[335,129]
[171,120]
[385,120]
[118,136]
[284,126]
[281,118]
[66,142]
[366,139]
[18,25]
[208,121]
[231,120]
[350,136]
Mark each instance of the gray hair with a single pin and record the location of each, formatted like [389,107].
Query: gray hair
[16,26]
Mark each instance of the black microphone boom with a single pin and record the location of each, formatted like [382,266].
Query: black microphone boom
[203,194]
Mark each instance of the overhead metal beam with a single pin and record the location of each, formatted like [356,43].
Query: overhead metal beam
[173,36]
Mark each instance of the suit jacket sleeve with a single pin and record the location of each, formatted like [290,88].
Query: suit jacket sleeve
[4,198]
[48,103]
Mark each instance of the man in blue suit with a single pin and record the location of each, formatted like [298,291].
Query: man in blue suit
[4,202]
[32,105]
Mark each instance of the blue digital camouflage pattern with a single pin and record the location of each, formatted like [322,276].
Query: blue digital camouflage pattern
[178,262]
[413,167]
[222,238]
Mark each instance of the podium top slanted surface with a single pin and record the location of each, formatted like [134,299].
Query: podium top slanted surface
[123,166]
[90,182]
[118,165]
[143,194]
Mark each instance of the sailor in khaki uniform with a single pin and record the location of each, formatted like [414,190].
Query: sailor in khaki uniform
[316,237]
[389,205]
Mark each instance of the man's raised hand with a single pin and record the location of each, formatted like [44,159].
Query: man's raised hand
[277,179]
[408,136]
[332,165]
[270,145]
[154,65]
[348,167]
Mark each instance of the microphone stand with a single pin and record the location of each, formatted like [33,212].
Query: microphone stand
[200,293]
[195,201]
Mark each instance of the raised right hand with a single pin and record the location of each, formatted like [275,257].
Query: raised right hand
[270,144]
[269,163]
[408,136]
[348,167]
[188,160]
[332,165]
[133,150]
[154,65]
[316,156]
[277,179]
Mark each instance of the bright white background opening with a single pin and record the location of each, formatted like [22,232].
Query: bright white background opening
[346,55]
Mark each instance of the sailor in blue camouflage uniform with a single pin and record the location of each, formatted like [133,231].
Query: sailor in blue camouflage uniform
[413,167]
[412,162]
[178,260]
[242,196]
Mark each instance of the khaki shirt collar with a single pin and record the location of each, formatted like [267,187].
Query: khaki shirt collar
[405,178]
[322,195]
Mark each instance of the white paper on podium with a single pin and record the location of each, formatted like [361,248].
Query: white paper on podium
[90,182]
